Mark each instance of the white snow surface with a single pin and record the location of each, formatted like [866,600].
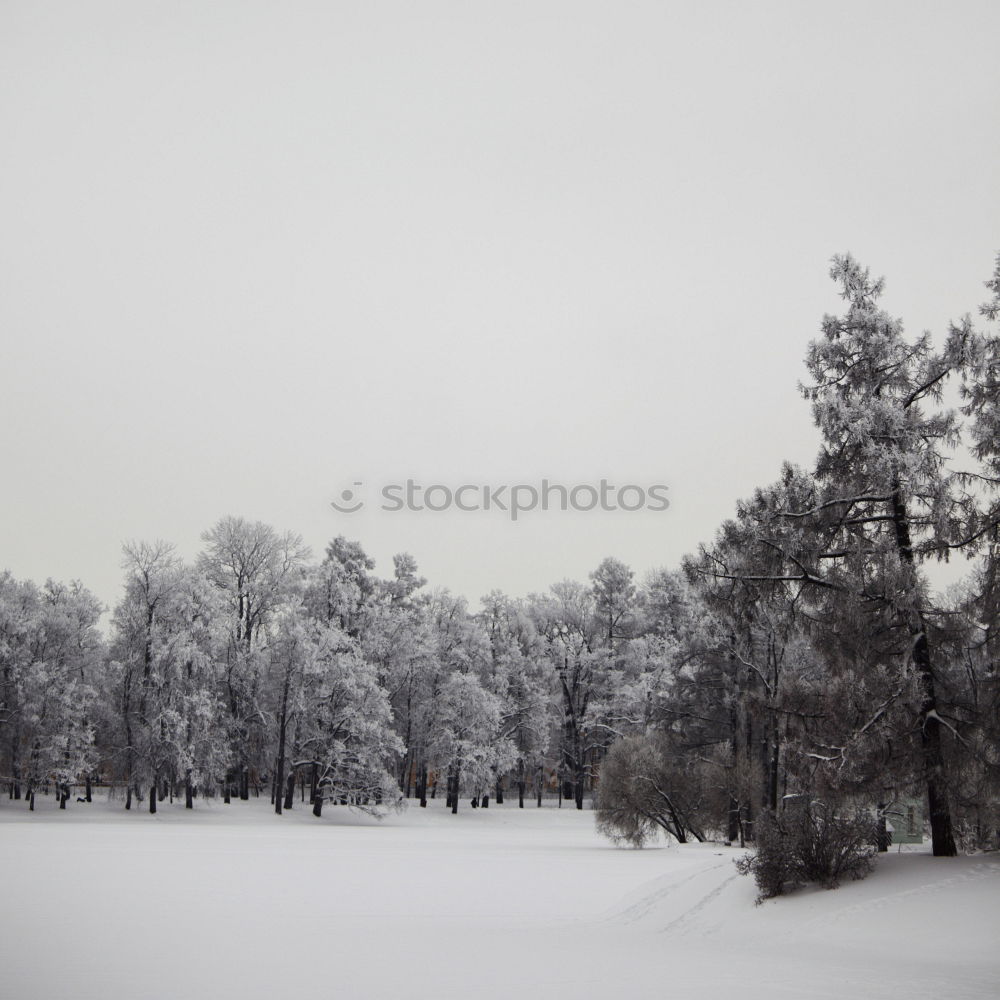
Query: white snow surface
[233,901]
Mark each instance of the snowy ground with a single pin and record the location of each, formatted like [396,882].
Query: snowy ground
[236,902]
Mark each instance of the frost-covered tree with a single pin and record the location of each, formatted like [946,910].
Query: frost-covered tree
[614,598]
[405,580]
[169,643]
[350,737]
[152,571]
[257,570]
[881,499]
[467,742]
[516,671]
[887,498]
[50,653]
[567,620]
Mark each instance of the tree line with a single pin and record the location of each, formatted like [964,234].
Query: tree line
[254,669]
[802,656]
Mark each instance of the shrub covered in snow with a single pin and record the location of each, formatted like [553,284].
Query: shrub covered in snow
[645,790]
[809,842]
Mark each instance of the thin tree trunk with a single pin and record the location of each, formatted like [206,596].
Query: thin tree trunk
[772,783]
[152,798]
[15,763]
[881,829]
[733,833]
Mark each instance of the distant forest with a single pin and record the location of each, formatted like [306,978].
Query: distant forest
[801,654]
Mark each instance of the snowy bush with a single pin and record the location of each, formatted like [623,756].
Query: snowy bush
[644,790]
[811,842]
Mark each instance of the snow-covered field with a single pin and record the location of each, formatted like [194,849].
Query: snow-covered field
[232,901]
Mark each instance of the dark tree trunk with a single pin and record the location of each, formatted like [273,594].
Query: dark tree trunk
[881,830]
[188,791]
[15,764]
[942,834]
[152,798]
[63,795]
[88,793]
[423,786]
[499,792]
[733,832]
[454,793]
[313,781]
[772,775]
[278,778]
[290,790]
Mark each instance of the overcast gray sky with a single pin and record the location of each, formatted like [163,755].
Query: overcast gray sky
[251,253]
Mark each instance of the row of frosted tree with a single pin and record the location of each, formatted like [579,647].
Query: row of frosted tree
[256,670]
[802,656]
